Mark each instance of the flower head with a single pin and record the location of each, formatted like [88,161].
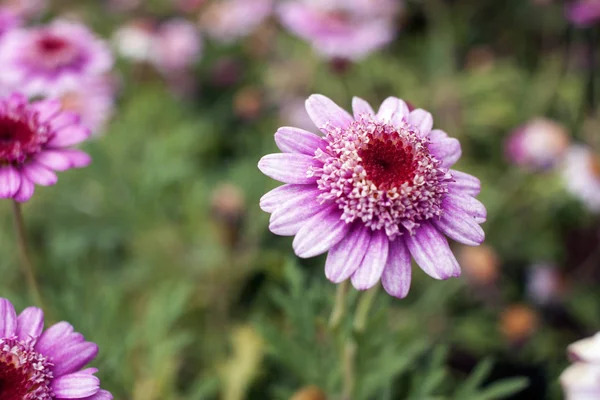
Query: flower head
[341,29]
[374,190]
[581,176]
[92,99]
[39,60]
[537,145]
[177,45]
[34,142]
[581,381]
[229,20]
[44,365]
[584,12]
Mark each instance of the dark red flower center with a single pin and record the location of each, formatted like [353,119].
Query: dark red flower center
[388,163]
[18,140]
[13,380]
[24,373]
[54,51]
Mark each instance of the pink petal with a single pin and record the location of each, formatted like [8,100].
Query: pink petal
[460,226]
[10,180]
[444,148]
[360,107]
[64,159]
[393,110]
[64,119]
[25,190]
[320,233]
[323,111]
[296,140]
[468,204]
[69,136]
[422,120]
[276,197]
[68,359]
[371,268]
[396,276]
[101,395]
[288,167]
[75,386]
[290,216]
[54,337]
[345,257]
[8,319]
[30,323]
[464,184]
[39,174]
[430,250]
[47,109]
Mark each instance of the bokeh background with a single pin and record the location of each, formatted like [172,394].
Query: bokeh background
[159,252]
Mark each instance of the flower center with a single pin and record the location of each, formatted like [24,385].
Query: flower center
[21,136]
[24,373]
[381,174]
[53,51]
[388,163]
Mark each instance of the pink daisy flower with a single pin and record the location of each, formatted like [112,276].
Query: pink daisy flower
[34,142]
[375,190]
[92,99]
[39,60]
[177,45]
[44,365]
[229,20]
[584,12]
[537,145]
[341,29]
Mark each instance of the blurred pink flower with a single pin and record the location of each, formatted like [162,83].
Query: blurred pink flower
[26,8]
[374,191]
[584,12]
[544,283]
[44,59]
[539,144]
[35,141]
[341,29]
[92,99]
[44,365]
[581,176]
[229,20]
[581,381]
[176,46]
[134,40]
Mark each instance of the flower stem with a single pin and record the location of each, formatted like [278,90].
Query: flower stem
[339,308]
[351,346]
[24,254]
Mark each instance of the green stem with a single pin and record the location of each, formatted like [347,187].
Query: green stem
[364,308]
[339,308]
[24,254]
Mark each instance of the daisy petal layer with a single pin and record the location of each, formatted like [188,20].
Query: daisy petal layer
[396,276]
[288,167]
[345,257]
[430,250]
[371,268]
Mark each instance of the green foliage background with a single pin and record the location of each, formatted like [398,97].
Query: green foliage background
[189,302]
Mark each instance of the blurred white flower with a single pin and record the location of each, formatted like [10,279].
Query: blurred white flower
[581,175]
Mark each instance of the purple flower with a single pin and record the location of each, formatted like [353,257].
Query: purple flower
[34,142]
[229,20]
[92,99]
[537,145]
[39,60]
[581,176]
[584,12]
[375,190]
[581,380]
[341,29]
[176,46]
[38,365]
